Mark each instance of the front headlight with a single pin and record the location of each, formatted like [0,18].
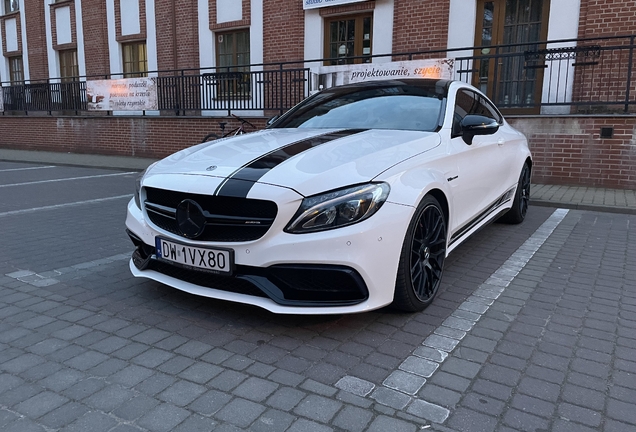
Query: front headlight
[138,182]
[338,208]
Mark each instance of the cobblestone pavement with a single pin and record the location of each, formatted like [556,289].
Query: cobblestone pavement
[534,330]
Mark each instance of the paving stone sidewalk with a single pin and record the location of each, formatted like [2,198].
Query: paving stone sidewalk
[534,330]
[557,351]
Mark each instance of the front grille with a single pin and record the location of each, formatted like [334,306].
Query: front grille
[228,219]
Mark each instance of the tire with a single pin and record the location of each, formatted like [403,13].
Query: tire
[210,137]
[517,212]
[422,258]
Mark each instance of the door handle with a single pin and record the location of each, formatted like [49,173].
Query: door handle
[500,142]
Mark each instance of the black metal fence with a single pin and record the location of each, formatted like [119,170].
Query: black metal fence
[560,77]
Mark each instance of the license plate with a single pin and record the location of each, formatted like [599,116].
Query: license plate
[216,260]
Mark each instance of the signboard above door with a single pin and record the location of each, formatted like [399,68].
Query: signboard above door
[315,4]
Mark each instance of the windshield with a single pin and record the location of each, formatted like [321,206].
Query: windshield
[404,107]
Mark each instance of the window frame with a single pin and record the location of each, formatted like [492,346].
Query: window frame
[16,75]
[8,8]
[63,57]
[137,67]
[358,43]
[233,79]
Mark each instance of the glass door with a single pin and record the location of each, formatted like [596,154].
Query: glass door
[503,72]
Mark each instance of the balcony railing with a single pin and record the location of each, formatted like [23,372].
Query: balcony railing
[552,77]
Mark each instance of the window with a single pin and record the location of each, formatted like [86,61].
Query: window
[468,102]
[16,74]
[385,106]
[11,6]
[68,64]
[520,25]
[232,60]
[347,37]
[135,59]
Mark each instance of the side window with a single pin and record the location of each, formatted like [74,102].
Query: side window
[468,102]
[486,109]
[464,105]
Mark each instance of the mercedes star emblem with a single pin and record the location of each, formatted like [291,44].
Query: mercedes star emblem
[190,219]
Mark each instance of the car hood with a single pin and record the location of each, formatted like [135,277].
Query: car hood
[308,161]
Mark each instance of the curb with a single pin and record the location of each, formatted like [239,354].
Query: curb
[581,206]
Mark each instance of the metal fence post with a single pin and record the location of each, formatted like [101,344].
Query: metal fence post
[629,73]
[280,89]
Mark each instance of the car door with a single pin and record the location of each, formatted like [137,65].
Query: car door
[482,165]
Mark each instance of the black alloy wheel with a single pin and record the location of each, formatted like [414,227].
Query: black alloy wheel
[524,189]
[422,260]
[517,212]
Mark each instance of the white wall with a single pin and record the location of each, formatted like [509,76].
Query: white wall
[130,23]
[382,42]
[563,24]
[151,37]
[79,35]
[11,33]
[314,35]
[229,10]
[114,49]
[25,45]
[206,36]
[53,62]
[63,25]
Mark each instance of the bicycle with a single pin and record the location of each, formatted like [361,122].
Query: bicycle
[240,130]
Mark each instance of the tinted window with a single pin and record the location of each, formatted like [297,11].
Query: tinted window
[468,102]
[486,109]
[403,107]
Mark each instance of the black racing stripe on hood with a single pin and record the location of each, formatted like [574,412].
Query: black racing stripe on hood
[239,183]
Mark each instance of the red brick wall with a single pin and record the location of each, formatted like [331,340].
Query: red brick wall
[607,18]
[420,25]
[569,150]
[566,150]
[110,135]
[177,49]
[36,39]
[283,31]
[607,80]
[95,37]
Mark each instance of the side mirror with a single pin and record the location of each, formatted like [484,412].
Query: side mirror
[477,125]
[272,120]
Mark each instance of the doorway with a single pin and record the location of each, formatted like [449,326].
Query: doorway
[503,73]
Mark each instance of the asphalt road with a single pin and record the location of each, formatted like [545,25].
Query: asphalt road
[534,329]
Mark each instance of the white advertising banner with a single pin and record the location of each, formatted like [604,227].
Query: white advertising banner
[128,94]
[314,4]
[1,100]
[347,74]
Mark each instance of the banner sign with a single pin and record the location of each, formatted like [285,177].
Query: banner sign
[128,94]
[347,74]
[1,100]
[314,4]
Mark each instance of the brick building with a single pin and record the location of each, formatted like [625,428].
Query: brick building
[48,43]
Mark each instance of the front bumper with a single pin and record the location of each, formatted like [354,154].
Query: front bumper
[346,270]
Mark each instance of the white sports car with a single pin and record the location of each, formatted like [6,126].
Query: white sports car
[347,203]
